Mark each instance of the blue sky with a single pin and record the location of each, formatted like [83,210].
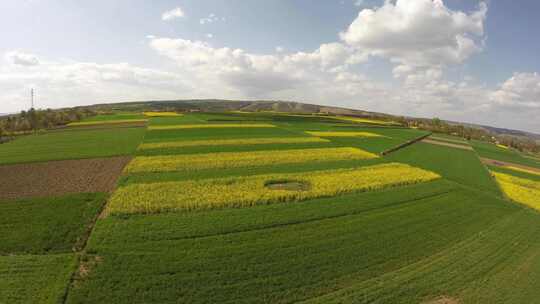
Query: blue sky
[473,61]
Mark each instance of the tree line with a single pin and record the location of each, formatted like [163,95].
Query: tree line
[436,125]
[34,120]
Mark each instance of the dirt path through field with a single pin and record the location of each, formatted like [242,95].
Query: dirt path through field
[60,177]
[454,141]
[440,143]
[500,163]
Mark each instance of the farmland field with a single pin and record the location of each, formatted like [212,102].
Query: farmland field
[242,159]
[58,224]
[207,194]
[60,177]
[491,151]
[264,207]
[35,278]
[458,165]
[71,144]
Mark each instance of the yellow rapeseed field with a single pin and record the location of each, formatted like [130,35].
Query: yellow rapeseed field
[104,122]
[229,142]
[164,163]
[343,134]
[521,190]
[522,170]
[365,120]
[502,146]
[253,190]
[162,114]
[207,126]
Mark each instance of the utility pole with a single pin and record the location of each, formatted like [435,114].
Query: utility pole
[32,98]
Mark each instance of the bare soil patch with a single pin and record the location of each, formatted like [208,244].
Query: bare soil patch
[500,163]
[441,143]
[60,177]
[290,185]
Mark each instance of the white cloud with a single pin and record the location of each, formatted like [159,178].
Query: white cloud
[172,14]
[247,72]
[209,35]
[521,91]
[69,83]
[280,49]
[417,33]
[20,58]
[210,19]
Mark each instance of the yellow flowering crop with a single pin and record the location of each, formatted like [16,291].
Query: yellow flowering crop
[522,170]
[521,190]
[253,190]
[104,122]
[224,160]
[206,126]
[502,146]
[162,114]
[364,120]
[343,134]
[229,142]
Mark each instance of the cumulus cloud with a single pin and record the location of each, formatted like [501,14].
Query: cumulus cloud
[253,73]
[20,58]
[521,91]
[172,14]
[417,33]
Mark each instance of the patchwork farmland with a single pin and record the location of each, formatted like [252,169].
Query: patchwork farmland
[242,207]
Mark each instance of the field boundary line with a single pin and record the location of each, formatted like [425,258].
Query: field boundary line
[81,249]
[405,144]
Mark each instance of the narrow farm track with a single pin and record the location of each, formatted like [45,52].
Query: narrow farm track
[441,143]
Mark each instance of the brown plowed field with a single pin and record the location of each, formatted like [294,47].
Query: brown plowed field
[60,177]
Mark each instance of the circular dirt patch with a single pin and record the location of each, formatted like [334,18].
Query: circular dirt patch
[290,185]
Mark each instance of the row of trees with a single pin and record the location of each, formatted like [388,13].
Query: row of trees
[438,126]
[34,120]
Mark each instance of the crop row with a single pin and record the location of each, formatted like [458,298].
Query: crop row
[208,126]
[519,189]
[162,114]
[342,134]
[232,142]
[262,189]
[167,163]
